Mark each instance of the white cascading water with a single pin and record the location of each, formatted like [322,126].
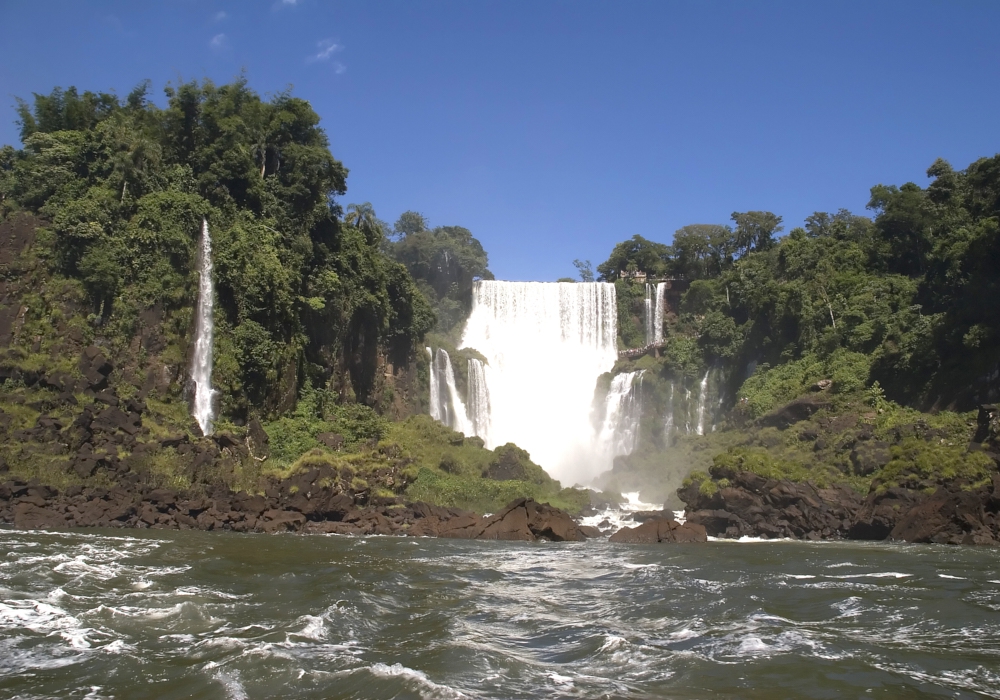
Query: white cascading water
[478,402]
[545,345]
[446,403]
[660,300]
[650,315]
[702,401]
[435,393]
[623,409]
[668,422]
[201,364]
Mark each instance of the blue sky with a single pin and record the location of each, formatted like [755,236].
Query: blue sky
[555,129]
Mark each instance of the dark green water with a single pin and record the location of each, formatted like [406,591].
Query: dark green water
[207,615]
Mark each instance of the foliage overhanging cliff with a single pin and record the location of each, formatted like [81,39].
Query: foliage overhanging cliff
[305,294]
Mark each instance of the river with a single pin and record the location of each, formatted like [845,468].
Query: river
[130,614]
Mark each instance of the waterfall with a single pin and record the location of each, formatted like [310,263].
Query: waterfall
[435,394]
[702,400]
[478,400]
[545,345]
[446,403]
[650,315]
[201,364]
[661,294]
[623,409]
[668,423]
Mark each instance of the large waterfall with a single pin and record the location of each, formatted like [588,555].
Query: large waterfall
[545,345]
[201,364]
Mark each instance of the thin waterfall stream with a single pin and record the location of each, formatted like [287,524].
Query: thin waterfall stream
[203,409]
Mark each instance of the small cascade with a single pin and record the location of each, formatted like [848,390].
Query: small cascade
[203,409]
[658,304]
[446,404]
[623,409]
[650,315]
[479,399]
[687,410]
[702,401]
[436,404]
[668,422]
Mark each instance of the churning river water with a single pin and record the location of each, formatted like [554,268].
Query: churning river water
[107,614]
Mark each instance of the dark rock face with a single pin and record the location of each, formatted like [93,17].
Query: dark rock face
[661,530]
[306,502]
[758,507]
[753,506]
[794,412]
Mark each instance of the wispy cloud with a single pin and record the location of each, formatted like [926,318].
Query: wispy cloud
[219,42]
[219,16]
[325,50]
[289,2]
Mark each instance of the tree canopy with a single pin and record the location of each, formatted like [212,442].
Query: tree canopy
[126,184]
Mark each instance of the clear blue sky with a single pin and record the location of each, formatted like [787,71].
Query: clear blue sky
[554,129]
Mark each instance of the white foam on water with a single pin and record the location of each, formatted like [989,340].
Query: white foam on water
[560,680]
[315,627]
[879,574]
[230,681]
[418,677]
[956,578]
[753,645]
[42,618]
[799,576]
[682,634]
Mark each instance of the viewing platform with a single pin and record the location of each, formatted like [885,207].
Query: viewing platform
[632,353]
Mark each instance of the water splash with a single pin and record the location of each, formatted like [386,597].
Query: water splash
[201,364]
[545,345]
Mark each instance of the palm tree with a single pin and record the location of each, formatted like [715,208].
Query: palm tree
[362,217]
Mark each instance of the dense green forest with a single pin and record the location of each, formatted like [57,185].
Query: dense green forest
[892,315]
[910,298]
[323,309]
[307,296]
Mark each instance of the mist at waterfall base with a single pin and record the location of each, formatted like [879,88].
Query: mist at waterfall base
[546,346]
[203,404]
[162,614]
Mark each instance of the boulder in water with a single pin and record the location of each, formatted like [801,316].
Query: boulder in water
[657,530]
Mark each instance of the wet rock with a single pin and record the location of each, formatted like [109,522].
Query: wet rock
[525,519]
[753,506]
[29,516]
[661,530]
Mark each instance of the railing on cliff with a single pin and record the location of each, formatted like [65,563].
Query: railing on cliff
[632,353]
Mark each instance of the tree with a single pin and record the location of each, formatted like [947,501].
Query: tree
[639,253]
[409,222]
[363,218]
[584,268]
[755,230]
[701,250]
